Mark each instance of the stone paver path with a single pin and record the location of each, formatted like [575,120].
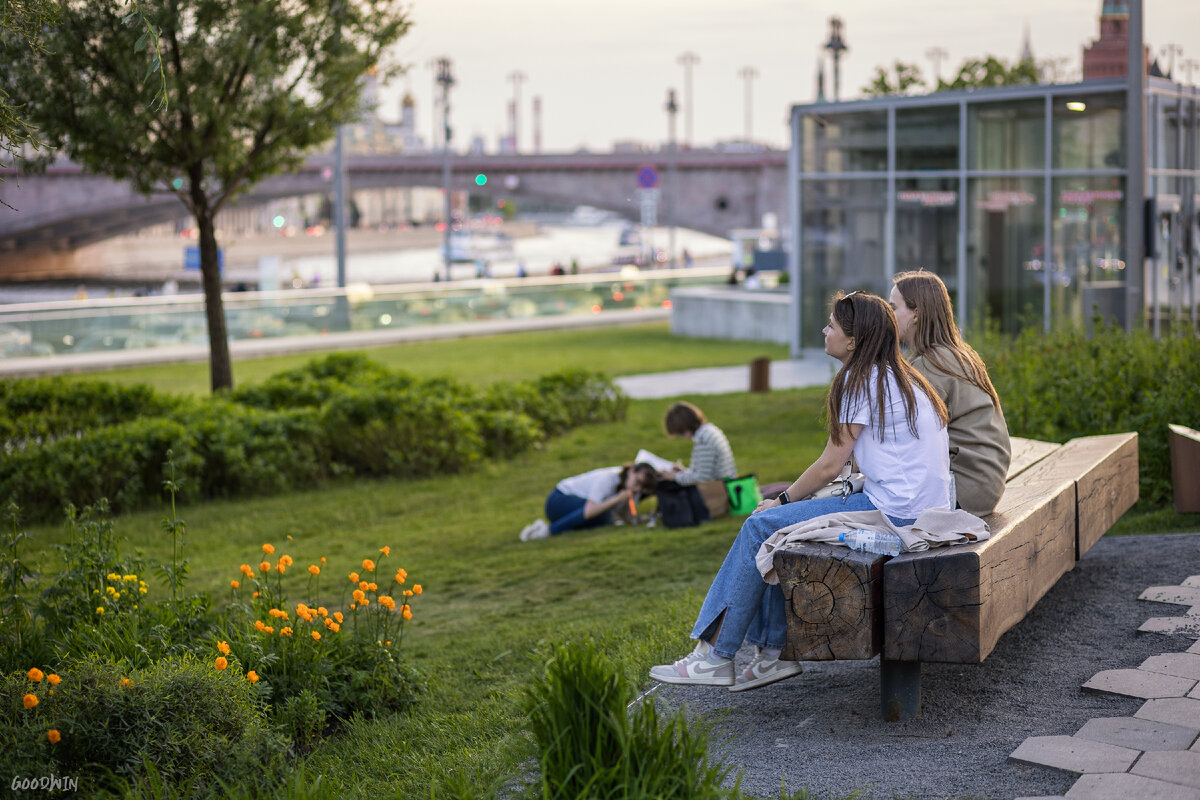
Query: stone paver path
[1155,754]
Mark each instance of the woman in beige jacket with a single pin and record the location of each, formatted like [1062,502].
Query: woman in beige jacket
[979,447]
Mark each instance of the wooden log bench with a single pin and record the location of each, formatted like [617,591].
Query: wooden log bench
[951,604]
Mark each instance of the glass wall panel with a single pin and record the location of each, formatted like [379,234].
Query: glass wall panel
[1005,251]
[1165,113]
[1088,251]
[927,138]
[1089,132]
[927,227]
[1006,135]
[845,142]
[842,240]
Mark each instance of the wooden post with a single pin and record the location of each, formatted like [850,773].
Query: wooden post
[760,375]
[1185,468]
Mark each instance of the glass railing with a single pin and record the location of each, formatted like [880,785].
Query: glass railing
[85,326]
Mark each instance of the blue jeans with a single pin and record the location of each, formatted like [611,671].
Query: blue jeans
[565,512]
[747,608]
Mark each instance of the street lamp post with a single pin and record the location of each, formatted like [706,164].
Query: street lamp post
[748,74]
[445,79]
[672,108]
[836,46]
[688,60]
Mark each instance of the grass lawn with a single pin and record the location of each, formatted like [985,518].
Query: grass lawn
[492,604]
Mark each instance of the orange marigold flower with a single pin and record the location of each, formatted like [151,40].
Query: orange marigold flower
[35,674]
[126,682]
[285,631]
[322,559]
[269,548]
[333,626]
[388,643]
[338,616]
[54,736]
[220,663]
[223,647]
[401,577]
[53,679]
[258,625]
[265,566]
[286,560]
[234,583]
[372,587]
[408,592]
[354,577]
[256,595]
[281,567]
[324,612]
[352,606]
[313,569]
[387,602]
[406,613]
[358,595]
[29,700]
[368,565]
[252,676]
[417,589]
[246,570]
[386,550]
[269,629]
[316,636]
[364,585]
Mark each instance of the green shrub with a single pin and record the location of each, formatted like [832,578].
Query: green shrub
[195,724]
[590,748]
[312,384]
[39,410]
[1064,385]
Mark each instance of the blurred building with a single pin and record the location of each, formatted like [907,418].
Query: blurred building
[1016,196]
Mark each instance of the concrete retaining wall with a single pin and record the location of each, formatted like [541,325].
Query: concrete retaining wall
[730,312]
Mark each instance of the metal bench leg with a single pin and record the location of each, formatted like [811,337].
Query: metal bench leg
[900,689]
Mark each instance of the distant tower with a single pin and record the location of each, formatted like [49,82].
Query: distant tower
[836,46]
[1106,57]
[537,123]
[820,80]
[1026,46]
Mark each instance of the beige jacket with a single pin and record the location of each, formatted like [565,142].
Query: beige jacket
[935,527]
[979,447]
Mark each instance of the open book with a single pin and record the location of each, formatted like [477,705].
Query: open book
[658,462]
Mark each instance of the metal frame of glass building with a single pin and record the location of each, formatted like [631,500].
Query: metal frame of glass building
[1018,197]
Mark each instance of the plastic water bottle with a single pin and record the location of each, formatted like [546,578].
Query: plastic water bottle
[884,544]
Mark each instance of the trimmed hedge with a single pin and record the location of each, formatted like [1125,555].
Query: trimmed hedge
[1063,385]
[338,415]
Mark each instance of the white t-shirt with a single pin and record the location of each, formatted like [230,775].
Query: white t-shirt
[599,484]
[905,475]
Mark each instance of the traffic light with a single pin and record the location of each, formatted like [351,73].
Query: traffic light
[480,179]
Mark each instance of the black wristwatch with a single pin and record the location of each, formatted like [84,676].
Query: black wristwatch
[783,499]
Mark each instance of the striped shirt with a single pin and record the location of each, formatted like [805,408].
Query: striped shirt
[712,457]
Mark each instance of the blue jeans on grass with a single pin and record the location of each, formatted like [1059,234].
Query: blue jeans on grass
[752,609]
[565,512]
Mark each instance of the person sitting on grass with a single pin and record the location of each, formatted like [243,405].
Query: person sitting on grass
[712,457]
[589,500]
[980,450]
[880,410]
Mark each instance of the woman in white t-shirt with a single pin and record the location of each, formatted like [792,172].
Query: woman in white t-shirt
[882,412]
[588,500]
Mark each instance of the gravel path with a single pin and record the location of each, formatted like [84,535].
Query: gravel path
[822,731]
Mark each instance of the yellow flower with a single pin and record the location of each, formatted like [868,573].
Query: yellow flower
[358,596]
[354,577]
[372,587]
[406,613]
[141,590]
[234,584]
[35,674]
[313,569]
[246,570]
[29,700]
[352,606]
[333,626]
[285,631]
[386,550]
[116,595]
[338,616]
[252,676]
[54,736]
[220,663]
[256,595]
[388,643]
[364,585]
[53,679]
[112,576]
[268,548]
[126,682]
[407,593]
[289,537]
[368,565]
[324,612]
[417,589]
[129,578]
[99,609]
[264,566]
[322,559]
[258,625]
[387,602]
[281,567]
[223,647]
[316,636]
[286,560]
[269,629]
[401,576]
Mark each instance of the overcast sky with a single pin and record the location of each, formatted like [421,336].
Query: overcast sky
[603,69]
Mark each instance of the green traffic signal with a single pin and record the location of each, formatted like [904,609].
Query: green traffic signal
[480,179]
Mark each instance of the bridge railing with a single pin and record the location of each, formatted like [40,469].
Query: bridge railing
[84,326]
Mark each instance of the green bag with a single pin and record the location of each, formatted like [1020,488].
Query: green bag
[744,495]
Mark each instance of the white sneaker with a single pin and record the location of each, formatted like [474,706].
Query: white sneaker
[700,667]
[538,529]
[766,668]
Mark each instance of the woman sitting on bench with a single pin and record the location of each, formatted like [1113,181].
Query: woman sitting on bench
[881,411]
[979,447]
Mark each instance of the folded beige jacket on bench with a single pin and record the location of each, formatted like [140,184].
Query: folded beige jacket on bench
[935,527]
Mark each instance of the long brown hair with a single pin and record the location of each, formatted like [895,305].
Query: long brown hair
[924,293]
[869,320]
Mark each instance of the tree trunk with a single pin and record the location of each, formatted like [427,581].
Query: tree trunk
[220,365]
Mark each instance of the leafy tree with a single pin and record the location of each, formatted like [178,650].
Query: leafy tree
[908,76]
[251,86]
[21,24]
[979,73]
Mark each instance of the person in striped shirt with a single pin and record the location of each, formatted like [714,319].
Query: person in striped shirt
[712,457]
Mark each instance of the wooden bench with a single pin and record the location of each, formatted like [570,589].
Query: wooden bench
[951,604]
